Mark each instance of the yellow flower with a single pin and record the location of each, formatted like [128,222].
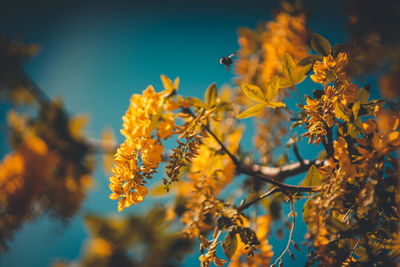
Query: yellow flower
[342,155]
[287,34]
[166,127]
[330,69]
[140,154]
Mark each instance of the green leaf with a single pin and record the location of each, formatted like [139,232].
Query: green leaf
[353,129]
[362,98]
[313,177]
[211,95]
[363,95]
[309,60]
[289,68]
[272,89]
[167,83]
[302,73]
[252,111]
[320,45]
[230,245]
[341,113]
[284,83]
[275,104]
[253,92]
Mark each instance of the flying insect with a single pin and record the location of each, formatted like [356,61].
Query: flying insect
[227,61]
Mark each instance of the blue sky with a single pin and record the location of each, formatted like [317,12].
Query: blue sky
[96,55]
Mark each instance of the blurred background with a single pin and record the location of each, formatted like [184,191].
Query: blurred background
[95,54]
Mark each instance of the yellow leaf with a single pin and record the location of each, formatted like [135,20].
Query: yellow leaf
[313,177]
[341,113]
[284,83]
[211,95]
[276,104]
[289,68]
[356,109]
[176,83]
[272,88]
[302,73]
[363,95]
[352,130]
[195,102]
[167,83]
[253,92]
[252,111]
[362,98]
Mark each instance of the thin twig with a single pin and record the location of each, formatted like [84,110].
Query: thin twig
[291,232]
[224,148]
[270,192]
[291,112]
[297,153]
[298,94]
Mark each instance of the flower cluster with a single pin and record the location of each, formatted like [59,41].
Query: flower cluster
[330,69]
[287,34]
[140,154]
[322,110]
[365,176]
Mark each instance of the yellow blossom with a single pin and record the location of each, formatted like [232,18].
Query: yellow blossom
[330,69]
[140,154]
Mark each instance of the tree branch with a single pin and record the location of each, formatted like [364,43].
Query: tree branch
[283,172]
[271,175]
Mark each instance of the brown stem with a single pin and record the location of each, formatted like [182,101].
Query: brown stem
[297,153]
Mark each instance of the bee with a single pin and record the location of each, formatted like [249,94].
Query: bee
[227,61]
